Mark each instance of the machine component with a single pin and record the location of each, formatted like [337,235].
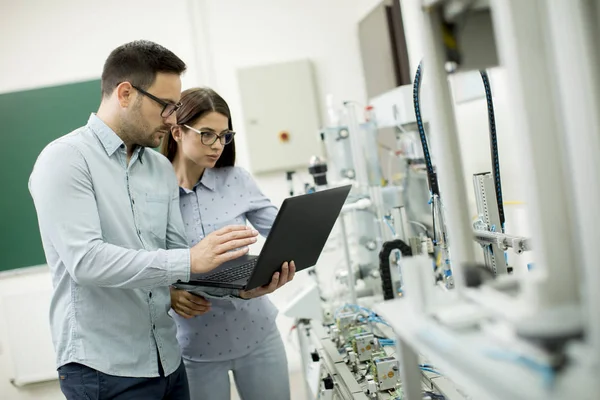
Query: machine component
[346,321]
[352,360]
[318,169]
[415,245]
[289,176]
[390,278]
[426,245]
[364,166]
[315,356]
[401,223]
[347,378]
[518,244]
[494,146]
[364,345]
[335,334]
[431,175]
[477,274]
[385,371]
[490,220]
[371,386]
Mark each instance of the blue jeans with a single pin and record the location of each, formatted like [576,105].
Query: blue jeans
[260,375]
[79,382]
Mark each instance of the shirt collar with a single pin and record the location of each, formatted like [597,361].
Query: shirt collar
[109,139]
[208,180]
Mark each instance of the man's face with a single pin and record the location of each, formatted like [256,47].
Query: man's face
[143,123]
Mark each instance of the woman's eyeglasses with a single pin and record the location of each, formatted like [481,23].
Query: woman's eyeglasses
[208,138]
[168,108]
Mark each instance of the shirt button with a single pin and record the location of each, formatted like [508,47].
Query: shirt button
[150,294]
[132,201]
[153,326]
[139,232]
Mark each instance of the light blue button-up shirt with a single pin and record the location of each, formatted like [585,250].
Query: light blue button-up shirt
[233,327]
[114,241]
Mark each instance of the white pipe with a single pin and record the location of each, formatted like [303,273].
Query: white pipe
[356,145]
[351,280]
[199,22]
[361,204]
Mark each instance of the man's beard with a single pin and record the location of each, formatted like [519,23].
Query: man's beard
[136,130]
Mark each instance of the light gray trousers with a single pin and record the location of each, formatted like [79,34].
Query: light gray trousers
[259,375]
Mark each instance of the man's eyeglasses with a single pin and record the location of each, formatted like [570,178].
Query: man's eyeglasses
[168,108]
[208,138]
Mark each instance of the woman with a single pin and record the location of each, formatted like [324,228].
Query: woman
[229,333]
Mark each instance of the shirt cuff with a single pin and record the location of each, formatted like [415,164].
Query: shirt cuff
[178,265]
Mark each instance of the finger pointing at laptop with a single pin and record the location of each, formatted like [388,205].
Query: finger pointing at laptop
[222,245]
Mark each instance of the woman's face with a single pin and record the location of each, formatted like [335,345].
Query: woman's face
[202,148]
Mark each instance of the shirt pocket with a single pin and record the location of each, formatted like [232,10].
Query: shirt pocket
[157,214]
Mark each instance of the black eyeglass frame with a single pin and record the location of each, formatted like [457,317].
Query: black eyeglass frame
[163,103]
[221,137]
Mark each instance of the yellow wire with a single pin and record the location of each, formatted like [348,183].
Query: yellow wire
[449,40]
[513,203]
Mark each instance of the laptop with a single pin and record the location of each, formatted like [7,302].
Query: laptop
[299,233]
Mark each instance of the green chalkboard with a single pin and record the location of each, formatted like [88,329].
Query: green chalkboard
[30,120]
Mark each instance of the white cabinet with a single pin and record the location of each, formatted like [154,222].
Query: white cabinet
[281,115]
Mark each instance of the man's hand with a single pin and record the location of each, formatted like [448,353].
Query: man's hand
[187,304]
[214,249]
[277,281]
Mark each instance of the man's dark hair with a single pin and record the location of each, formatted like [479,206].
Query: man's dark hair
[138,63]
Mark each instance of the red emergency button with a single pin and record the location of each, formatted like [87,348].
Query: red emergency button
[284,136]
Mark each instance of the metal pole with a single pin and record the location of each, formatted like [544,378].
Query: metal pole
[401,223]
[356,145]
[446,146]
[351,281]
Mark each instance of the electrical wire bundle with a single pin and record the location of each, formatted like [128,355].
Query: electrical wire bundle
[431,175]
[437,215]
[493,145]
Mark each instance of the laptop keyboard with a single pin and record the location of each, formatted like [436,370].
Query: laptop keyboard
[232,274]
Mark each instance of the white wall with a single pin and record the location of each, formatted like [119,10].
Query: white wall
[49,43]
[248,33]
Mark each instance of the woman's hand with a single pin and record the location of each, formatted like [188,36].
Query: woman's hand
[187,304]
[278,280]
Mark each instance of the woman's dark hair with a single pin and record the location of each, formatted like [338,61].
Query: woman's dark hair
[195,104]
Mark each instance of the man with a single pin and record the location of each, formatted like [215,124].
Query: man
[114,240]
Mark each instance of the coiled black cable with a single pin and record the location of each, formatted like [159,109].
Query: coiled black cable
[431,176]
[384,264]
[494,145]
